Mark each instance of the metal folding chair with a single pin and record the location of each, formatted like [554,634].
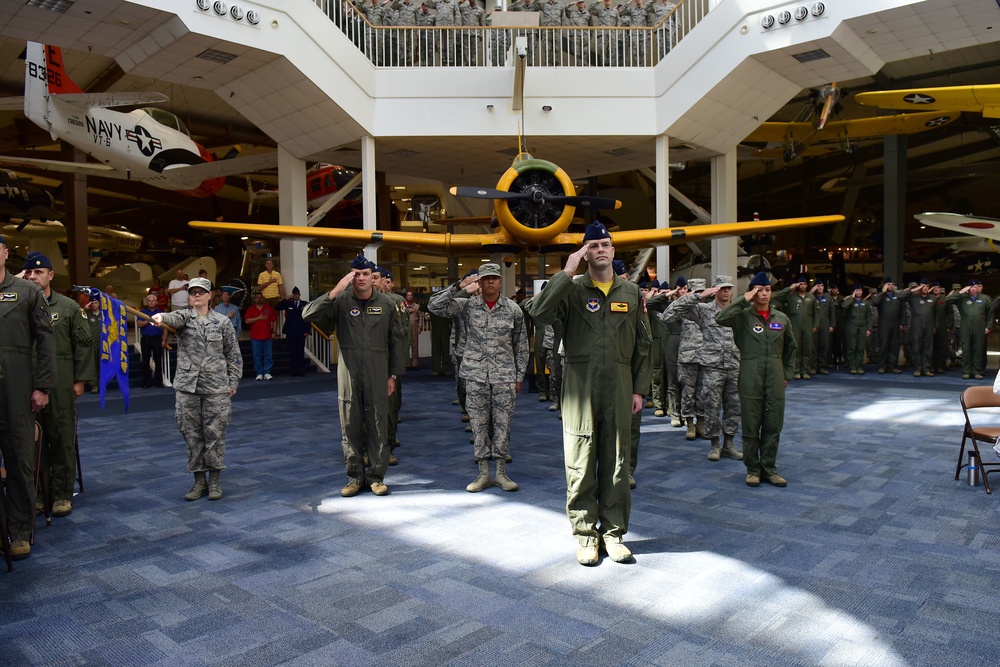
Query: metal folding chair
[976,398]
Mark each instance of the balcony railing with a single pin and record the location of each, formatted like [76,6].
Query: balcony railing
[478,46]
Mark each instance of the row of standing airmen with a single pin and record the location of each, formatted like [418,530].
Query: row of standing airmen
[466,48]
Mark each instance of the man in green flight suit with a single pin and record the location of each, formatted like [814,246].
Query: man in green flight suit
[25,323]
[74,367]
[767,357]
[856,320]
[605,377]
[974,307]
[382,281]
[368,330]
[800,306]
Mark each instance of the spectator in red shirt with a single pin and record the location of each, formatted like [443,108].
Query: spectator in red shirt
[162,298]
[260,318]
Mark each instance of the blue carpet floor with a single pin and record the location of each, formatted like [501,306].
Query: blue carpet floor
[873,555]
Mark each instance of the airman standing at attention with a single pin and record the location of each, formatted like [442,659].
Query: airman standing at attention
[689,362]
[720,365]
[578,17]
[658,353]
[405,14]
[659,10]
[635,15]
[446,14]
[474,17]
[605,377]
[368,330]
[767,355]
[74,368]
[922,310]
[825,310]
[608,41]
[942,329]
[889,306]
[493,367]
[25,324]
[857,324]
[974,307]
[800,306]
[382,281]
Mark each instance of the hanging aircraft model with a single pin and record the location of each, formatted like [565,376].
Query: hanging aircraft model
[799,139]
[148,145]
[987,228]
[21,200]
[32,233]
[983,99]
[323,183]
[534,203]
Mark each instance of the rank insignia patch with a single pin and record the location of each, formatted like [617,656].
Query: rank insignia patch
[619,306]
[593,305]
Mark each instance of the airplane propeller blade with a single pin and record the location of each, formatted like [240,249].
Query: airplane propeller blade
[536,195]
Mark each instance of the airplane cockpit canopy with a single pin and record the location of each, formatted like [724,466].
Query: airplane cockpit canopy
[166,118]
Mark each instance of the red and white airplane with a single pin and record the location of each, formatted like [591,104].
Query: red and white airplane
[147,145]
[323,183]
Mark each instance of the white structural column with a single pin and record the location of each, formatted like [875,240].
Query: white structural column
[724,210]
[294,253]
[662,205]
[369,207]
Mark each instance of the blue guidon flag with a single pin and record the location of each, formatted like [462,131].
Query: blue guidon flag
[113,359]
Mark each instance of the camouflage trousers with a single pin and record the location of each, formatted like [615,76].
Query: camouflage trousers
[490,407]
[689,377]
[202,419]
[718,391]
[673,389]
[657,384]
[456,363]
[553,360]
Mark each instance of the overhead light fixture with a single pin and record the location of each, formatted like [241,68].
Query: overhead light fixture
[52,5]
[216,56]
[810,56]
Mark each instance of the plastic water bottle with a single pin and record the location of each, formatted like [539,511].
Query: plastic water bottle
[973,469]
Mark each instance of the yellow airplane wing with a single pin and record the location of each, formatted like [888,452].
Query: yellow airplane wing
[503,241]
[643,238]
[981,99]
[859,128]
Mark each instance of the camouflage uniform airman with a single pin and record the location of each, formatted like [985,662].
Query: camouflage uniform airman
[577,16]
[446,14]
[551,340]
[608,41]
[720,365]
[495,359]
[209,365]
[688,363]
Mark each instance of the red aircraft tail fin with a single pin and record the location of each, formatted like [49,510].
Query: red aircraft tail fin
[58,79]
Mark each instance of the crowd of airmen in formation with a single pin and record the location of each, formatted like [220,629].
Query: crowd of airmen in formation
[466,48]
[600,348]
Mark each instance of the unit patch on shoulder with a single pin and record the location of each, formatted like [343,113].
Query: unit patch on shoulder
[8,296]
[758,328]
[374,310]
[593,305]
[776,326]
[619,306]
[355,311]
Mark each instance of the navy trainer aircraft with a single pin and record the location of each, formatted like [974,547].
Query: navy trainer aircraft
[148,145]
[534,203]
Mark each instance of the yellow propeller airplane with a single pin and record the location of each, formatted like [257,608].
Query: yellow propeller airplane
[802,139]
[983,99]
[534,203]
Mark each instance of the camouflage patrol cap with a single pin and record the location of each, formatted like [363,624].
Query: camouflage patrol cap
[203,283]
[723,281]
[490,269]
[696,284]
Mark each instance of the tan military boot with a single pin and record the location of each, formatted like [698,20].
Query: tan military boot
[729,448]
[715,451]
[199,489]
[214,490]
[483,481]
[691,434]
[699,428]
[501,478]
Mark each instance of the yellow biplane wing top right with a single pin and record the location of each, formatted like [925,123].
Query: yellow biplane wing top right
[983,99]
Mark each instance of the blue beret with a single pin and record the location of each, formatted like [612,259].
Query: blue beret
[975,281]
[655,284]
[681,282]
[618,266]
[596,231]
[644,284]
[36,260]
[761,279]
